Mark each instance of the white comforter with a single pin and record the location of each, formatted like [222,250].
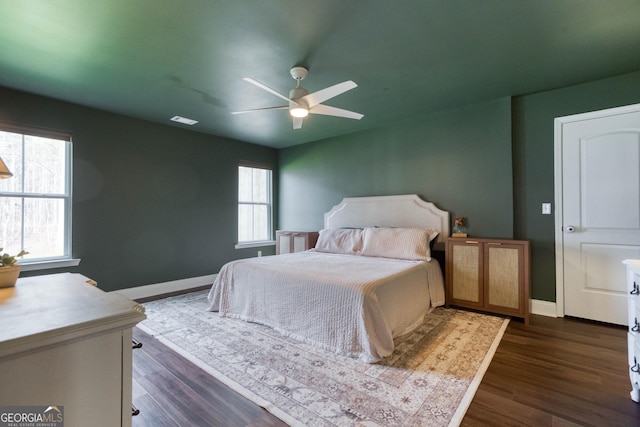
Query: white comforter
[349,304]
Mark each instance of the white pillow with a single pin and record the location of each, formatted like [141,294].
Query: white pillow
[401,243]
[340,241]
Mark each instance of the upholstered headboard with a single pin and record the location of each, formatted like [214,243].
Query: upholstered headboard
[407,210]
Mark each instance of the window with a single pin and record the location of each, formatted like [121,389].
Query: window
[35,204]
[254,204]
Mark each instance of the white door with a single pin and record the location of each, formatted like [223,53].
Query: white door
[598,211]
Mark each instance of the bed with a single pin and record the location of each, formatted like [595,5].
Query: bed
[370,278]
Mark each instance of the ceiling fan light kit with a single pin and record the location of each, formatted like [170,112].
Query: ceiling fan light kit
[297,111]
[301,102]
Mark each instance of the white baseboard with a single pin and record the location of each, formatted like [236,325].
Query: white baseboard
[147,291]
[543,308]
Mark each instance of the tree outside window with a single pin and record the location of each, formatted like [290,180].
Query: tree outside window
[35,204]
[254,204]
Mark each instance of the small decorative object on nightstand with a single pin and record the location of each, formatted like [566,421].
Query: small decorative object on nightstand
[459,229]
[288,242]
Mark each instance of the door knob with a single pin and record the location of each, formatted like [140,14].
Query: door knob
[569,229]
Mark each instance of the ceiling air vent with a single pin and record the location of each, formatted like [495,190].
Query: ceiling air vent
[184,120]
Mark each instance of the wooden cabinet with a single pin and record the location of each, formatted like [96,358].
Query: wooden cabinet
[67,343]
[633,335]
[295,241]
[488,274]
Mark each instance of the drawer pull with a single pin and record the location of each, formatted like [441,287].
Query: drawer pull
[635,368]
[636,327]
[636,290]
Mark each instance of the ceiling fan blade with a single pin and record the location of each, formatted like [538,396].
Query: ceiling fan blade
[268,89]
[297,122]
[333,111]
[284,107]
[322,95]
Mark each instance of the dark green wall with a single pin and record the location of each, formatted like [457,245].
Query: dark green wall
[533,148]
[459,159]
[155,203]
[151,203]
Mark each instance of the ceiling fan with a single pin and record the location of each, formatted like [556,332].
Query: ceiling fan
[301,102]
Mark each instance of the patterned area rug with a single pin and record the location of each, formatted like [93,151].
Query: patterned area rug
[429,380]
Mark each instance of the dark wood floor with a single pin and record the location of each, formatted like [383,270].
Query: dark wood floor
[557,372]
[171,391]
[554,372]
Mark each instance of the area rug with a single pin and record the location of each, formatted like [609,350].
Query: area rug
[429,380]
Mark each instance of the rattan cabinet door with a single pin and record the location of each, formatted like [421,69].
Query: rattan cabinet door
[465,273]
[503,277]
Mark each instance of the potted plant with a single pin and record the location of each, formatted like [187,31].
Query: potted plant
[9,270]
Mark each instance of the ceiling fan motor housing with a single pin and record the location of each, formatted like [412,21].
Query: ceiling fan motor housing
[298,92]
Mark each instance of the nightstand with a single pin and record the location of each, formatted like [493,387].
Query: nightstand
[488,274]
[295,241]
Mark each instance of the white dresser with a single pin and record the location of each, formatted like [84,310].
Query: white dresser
[633,287]
[64,342]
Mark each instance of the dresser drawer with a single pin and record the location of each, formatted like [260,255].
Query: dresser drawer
[633,291]
[633,283]
[634,359]
[632,352]
[634,362]
[634,315]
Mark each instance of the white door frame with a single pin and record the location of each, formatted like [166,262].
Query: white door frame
[557,167]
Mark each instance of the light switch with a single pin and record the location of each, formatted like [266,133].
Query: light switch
[546,208]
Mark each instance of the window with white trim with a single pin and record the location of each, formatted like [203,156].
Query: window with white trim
[35,203]
[254,204]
